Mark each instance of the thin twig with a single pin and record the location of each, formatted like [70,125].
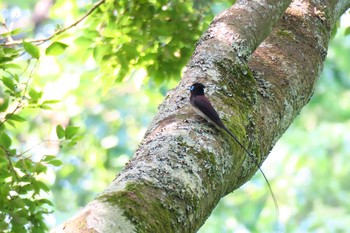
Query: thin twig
[8,154]
[38,144]
[29,78]
[26,68]
[20,103]
[95,6]
[9,38]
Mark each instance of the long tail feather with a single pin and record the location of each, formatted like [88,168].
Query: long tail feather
[257,165]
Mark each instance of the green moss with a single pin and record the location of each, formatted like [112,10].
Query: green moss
[160,208]
[286,33]
[139,203]
[241,96]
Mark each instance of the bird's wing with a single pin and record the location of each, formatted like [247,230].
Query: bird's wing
[203,104]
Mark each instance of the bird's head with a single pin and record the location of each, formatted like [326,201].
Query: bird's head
[197,89]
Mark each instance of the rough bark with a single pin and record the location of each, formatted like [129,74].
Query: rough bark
[185,165]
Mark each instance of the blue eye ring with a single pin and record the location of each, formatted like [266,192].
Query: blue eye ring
[191,88]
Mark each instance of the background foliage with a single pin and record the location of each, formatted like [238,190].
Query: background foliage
[73,110]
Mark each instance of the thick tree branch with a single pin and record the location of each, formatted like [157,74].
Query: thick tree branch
[288,64]
[242,27]
[341,7]
[185,165]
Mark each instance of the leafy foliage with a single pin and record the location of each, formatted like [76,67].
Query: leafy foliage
[23,195]
[23,207]
[136,35]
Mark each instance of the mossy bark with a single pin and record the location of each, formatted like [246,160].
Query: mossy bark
[184,164]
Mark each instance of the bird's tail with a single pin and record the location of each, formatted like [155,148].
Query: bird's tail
[257,165]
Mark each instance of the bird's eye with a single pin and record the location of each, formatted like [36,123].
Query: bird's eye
[191,88]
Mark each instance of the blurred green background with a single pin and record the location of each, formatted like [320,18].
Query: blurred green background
[117,69]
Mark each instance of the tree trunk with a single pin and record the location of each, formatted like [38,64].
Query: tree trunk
[260,62]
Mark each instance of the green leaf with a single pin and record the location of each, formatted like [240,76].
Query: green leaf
[100,51]
[45,201]
[18,203]
[25,189]
[11,123]
[60,132]
[16,78]
[11,33]
[8,82]
[11,52]
[347,31]
[24,164]
[72,143]
[48,158]
[51,101]
[55,162]
[11,66]
[19,221]
[5,140]
[46,107]
[39,168]
[4,174]
[31,49]
[35,95]
[41,185]
[4,103]
[56,48]
[71,131]
[83,41]
[14,117]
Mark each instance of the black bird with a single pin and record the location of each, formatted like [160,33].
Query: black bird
[203,107]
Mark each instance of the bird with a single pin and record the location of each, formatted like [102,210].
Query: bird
[204,108]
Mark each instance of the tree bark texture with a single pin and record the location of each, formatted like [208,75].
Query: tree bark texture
[259,61]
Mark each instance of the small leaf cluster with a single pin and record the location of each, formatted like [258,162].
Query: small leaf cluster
[157,36]
[23,207]
[70,134]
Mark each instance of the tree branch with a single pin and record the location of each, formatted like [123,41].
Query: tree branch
[39,41]
[244,26]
